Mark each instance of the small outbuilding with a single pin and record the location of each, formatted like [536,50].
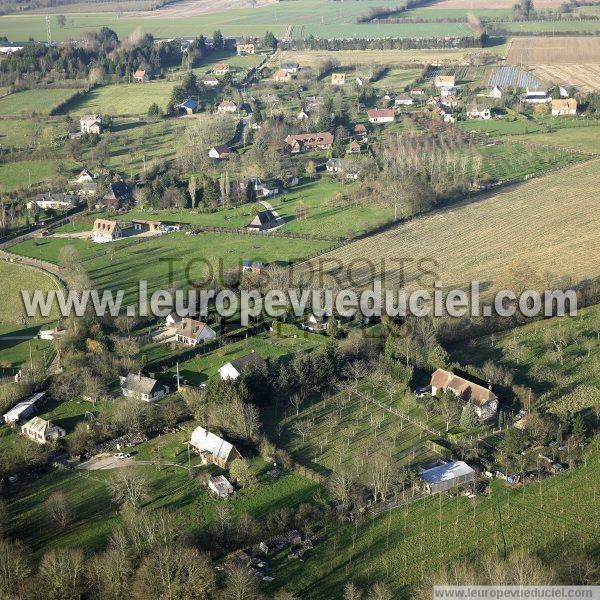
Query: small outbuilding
[446,476]
[220,486]
[24,409]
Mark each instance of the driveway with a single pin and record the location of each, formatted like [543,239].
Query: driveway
[103,462]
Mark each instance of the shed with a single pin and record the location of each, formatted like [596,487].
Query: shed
[24,409]
[447,476]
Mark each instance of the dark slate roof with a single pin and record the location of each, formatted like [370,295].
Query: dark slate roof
[119,191]
[250,360]
[139,384]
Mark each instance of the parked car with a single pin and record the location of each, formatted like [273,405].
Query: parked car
[122,455]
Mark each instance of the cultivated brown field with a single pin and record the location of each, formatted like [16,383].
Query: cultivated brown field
[554,50]
[585,77]
[474,4]
[562,60]
[549,224]
[310,58]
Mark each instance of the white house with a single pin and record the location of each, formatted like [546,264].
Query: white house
[315,324]
[91,124]
[42,431]
[233,369]
[142,388]
[444,82]
[536,96]
[220,486]
[496,92]
[219,152]
[475,112]
[227,106]
[212,448]
[483,400]
[381,115]
[58,201]
[191,332]
[105,231]
[210,81]
[173,319]
[245,49]
[24,409]
[564,107]
[404,100]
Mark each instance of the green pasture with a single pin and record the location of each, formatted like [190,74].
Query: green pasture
[561,381]
[552,518]
[39,101]
[124,98]
[277,346]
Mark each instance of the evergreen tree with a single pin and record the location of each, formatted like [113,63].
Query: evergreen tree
[218,40]
[468,417]
[270,41]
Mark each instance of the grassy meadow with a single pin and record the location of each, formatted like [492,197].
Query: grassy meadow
[23,173]
[582,139]
[554,518]
[122,264]
[124,99]
[133,143]
[483,239]
[276,346]
[561,381]
[318,17]
[346,421]
[170,487]
[325,214]
[38,101]
[26,133]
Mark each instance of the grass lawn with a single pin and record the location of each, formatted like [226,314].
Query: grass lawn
[318,17]
[33,101]
[554,518]
[502,126]
[344,421]
[133,141]
[231,58]
[507,160]
[325,216]
[96,516]
[275,346]
[397,79]
[25,133]
[190,256]
[14,278]
[583,139]
[28,172]
[550,27]
[68,413]
[124,99]
[49,248]
[527,352]
[14,355]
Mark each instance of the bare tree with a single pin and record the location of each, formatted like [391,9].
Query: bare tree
[58,509]
[129,487]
